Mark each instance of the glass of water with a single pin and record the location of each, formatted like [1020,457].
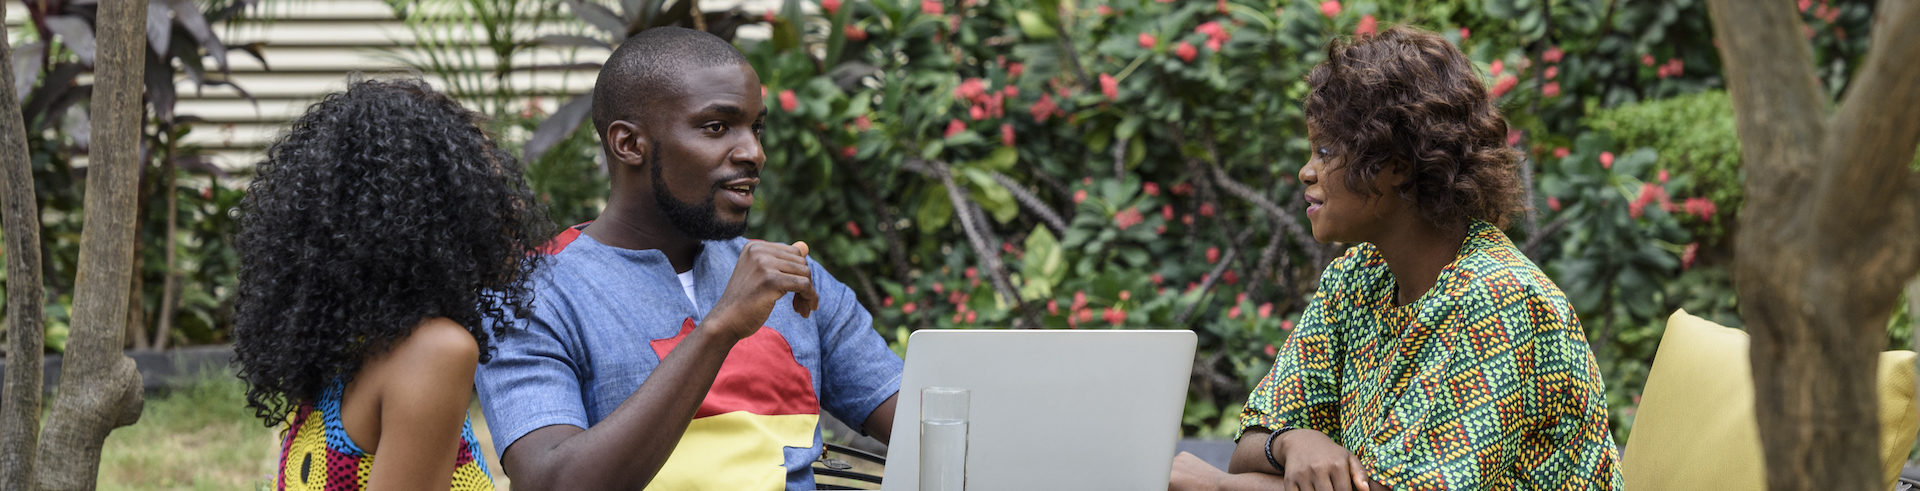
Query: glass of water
[943,439]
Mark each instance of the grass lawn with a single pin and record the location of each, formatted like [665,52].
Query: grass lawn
[197,437]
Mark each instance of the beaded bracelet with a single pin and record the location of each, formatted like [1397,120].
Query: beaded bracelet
[1269,448]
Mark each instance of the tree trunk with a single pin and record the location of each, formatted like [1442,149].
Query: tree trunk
[20,224]
[1827,236]
[99,387]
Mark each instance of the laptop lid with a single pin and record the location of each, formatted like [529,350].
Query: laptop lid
[1050,409]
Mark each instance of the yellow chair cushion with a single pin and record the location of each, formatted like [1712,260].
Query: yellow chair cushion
[1695,427]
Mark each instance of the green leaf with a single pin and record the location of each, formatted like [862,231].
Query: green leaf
[1043,266]
[1035,26]
[935,210]
[992,196]
[1001,160]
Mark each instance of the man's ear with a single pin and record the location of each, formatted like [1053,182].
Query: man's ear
[626,143]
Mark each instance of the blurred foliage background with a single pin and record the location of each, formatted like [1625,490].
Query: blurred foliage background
[1069,164]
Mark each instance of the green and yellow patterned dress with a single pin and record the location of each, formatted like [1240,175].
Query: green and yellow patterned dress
[1485,382]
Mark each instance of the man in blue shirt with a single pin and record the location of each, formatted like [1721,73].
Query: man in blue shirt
[664,349]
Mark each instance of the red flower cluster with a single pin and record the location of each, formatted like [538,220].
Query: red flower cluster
[1044,109]
[1128,218]
[1700,207]
[932,7]
[830,6]
[1367,26]
[1147,41]
[1503,84]
[855,33]
[1330,8]
[788,102]
[1185,51]
[1109,87]
[1216,35]
[1553,55]
[1672,68]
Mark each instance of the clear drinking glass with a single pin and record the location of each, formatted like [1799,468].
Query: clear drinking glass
[943,439]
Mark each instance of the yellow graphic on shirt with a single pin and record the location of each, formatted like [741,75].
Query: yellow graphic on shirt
[735,451]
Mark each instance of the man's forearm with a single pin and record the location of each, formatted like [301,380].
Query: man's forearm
[627,449]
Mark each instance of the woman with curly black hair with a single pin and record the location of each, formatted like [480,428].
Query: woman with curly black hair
[1434,354]
[380,234]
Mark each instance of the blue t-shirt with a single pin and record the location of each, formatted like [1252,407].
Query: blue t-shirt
[604,318]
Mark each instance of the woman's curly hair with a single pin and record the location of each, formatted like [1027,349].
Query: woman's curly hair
[382,206]
[1407,99]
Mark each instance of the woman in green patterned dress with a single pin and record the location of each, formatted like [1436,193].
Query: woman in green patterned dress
[1434,354]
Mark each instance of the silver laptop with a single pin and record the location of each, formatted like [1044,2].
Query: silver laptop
[1050,409]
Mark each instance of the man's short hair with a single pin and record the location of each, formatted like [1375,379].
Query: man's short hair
[648,65]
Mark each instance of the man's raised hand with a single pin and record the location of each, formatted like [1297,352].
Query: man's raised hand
[766,271]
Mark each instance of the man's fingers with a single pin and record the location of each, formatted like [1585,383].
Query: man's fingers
[802,246]
[1359,473]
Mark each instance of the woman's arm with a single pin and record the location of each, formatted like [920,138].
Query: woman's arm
[428,382]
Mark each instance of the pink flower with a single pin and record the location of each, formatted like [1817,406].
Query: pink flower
[1006,134]
[1606,160]
[1504,84]
[887,302]
[1496,67]
[1266,310]
[1086,315]
[977,112]
[1663,176]
[788,102]
[1151,188]
[955,127]
[972,89]
[1147,41]
[910,289]
[1551,89]
[1213,255]
[767,17]
[1804,4]
[1109,87]
[1366,27]
[1079,299]
[1127,218]
[1220,6]
[1560,152]
[1286,325]
[1240,298]
[932,7]
[1553,71]
[1213,45]
[1053,307]
[1234,313]
[1646,60]
[971,315]
[855,33]
[830,6]
[1636,209]
[853,228]
[1043,109]
[1185,51]
[1013,71]
[1464,34]
[1513,137]
[1166,212]
[1079,196]
[1674,66]
[1330,8]
[1114,316]
[1553,203]
[1211,29]
[1126,295]
[1231,278]
[939,288]
[1183,189]
[1156,279]
[1186,220]
[908,308]
[849,151]
[1271,351]
[1552,55]
[1206,209]
[863,123]
[1103,10]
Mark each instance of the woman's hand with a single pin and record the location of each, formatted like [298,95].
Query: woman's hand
[1314,462]
[1192,474]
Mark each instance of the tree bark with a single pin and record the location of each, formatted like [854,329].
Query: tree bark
[20,224]
[1827,235]
[99,387]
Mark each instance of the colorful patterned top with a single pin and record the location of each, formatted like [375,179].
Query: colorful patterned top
[317,454]
[1485,382]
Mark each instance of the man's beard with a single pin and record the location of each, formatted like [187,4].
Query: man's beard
[698,220]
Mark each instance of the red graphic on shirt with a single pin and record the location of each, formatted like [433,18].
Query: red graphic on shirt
[760,376]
